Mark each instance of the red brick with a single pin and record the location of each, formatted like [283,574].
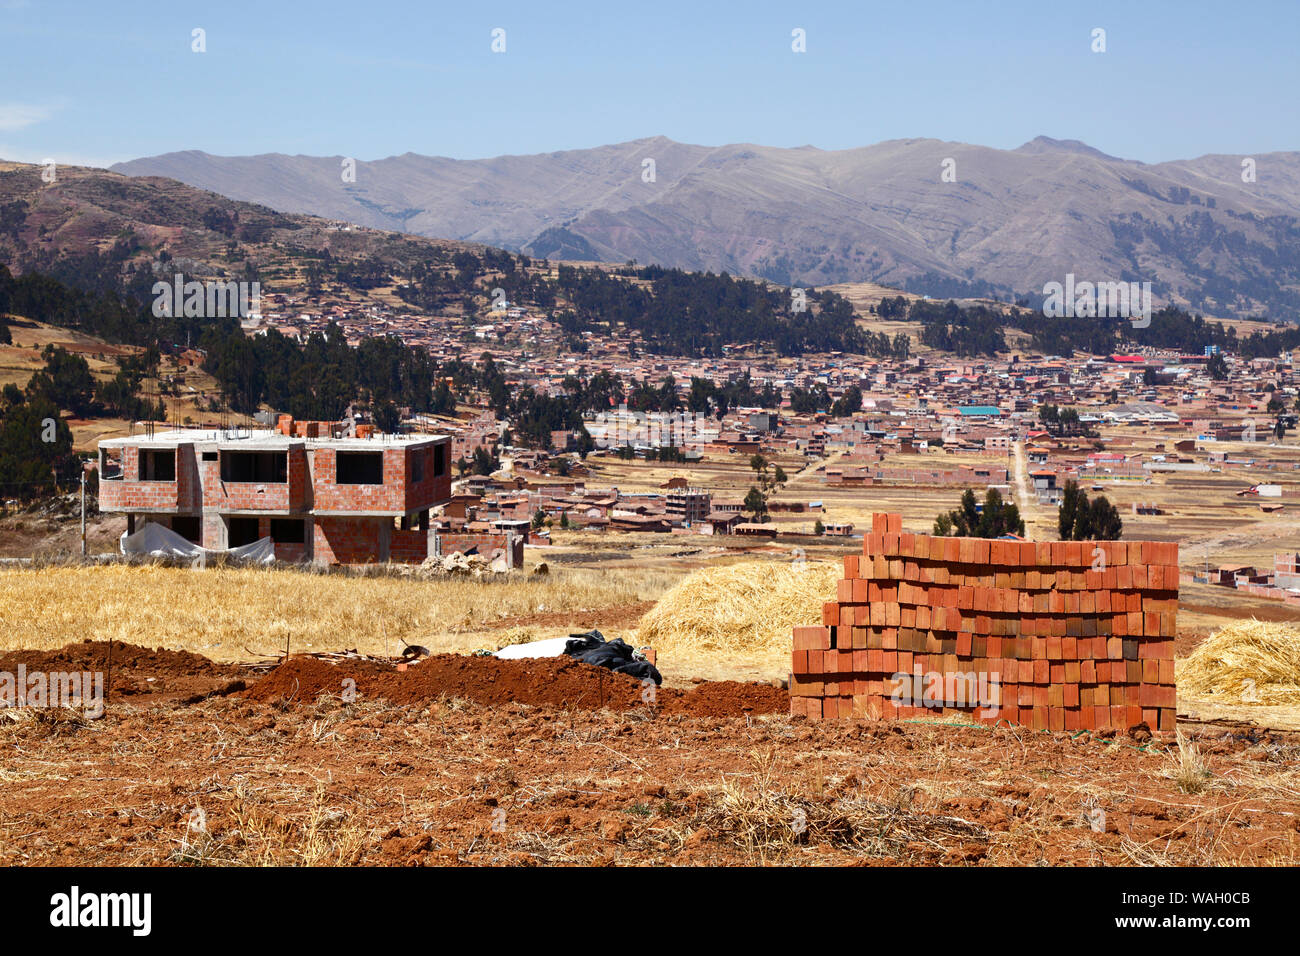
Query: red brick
[811,638]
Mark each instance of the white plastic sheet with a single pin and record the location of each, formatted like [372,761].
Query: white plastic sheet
[158,541]
[551,647]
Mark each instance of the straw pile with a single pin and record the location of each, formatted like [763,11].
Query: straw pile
[743,612]
[1251,662]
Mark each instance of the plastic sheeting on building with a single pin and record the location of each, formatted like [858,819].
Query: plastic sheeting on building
[158,541]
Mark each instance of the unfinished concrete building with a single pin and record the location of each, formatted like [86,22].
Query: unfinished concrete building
[319,494]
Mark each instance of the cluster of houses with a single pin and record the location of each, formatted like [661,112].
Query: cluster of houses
[1281,582]
[923,408]
[483,503]
[1136,415]
[907,406]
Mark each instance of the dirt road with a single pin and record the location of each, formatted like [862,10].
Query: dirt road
[1021,469]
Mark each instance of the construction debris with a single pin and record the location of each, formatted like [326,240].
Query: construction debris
[458,564]
[263,663]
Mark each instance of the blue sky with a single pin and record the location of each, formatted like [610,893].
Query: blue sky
[98,82]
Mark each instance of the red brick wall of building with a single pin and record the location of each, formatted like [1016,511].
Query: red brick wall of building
[130,493]
[409,547]
[398,493]
[348,540]
[246,496]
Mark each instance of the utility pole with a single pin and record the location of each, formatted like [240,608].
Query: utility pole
[83,510]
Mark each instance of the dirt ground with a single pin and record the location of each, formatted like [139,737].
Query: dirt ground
[470,761]
[462,760]
[56,528]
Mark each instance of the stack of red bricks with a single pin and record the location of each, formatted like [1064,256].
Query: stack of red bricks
[1053,635]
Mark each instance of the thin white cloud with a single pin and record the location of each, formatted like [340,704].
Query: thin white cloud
[25,154]
[15,116]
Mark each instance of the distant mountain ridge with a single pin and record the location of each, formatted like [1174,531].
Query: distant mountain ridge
[1010,222]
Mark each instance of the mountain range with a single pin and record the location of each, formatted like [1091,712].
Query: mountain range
[935,217]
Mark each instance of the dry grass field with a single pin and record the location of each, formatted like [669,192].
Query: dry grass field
[730,476]
[231,614]
[22,357]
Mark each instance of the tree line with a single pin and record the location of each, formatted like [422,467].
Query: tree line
[1078,518]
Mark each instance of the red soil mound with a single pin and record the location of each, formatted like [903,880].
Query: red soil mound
[306,678]
[135,670]
[729,698]
[554,682]
[93,655]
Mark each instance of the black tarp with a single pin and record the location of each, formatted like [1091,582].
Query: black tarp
[616,655]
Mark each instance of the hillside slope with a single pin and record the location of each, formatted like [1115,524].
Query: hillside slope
[105,232]
[1011,221]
